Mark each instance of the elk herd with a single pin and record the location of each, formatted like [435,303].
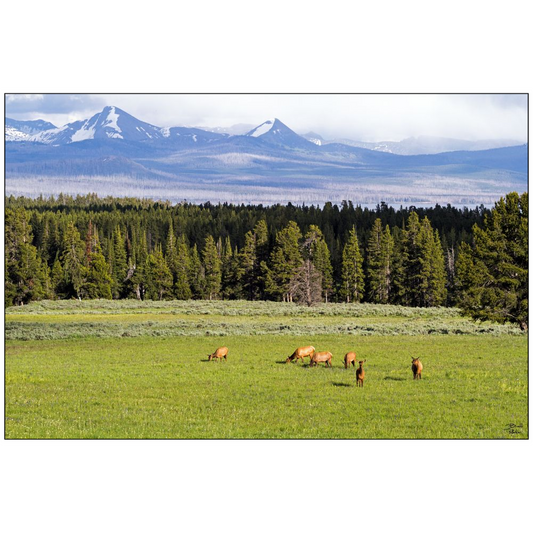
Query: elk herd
[325,357]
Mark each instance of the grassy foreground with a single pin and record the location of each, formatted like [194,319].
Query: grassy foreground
[106,386]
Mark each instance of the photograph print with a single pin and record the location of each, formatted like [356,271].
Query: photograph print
[266,266]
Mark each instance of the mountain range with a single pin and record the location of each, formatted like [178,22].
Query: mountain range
[423,144]
[113,152]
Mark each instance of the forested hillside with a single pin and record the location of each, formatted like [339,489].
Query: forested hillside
[89,247]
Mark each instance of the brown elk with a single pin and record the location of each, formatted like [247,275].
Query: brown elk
[219,354]
[349,359]
[416,367]
[321,357]
[300,353]
[360,374]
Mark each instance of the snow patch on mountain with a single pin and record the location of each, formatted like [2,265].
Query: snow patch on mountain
[84,133]
[12,134]
[52,136]
[262,129]
[112,120]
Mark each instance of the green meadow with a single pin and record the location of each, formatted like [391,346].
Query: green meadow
[108,370]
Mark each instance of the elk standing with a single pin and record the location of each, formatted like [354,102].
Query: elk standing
[349,358]
[219,354]
[417,367]
[321,357]
[300,353]
[360,374]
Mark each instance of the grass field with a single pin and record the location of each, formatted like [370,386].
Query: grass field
[140,370]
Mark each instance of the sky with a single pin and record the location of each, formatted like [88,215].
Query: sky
[362,117]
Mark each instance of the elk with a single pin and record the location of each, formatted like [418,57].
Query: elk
[416,367]
[360,374]
[300,353]
[321,357]
[349,359]
[219,354]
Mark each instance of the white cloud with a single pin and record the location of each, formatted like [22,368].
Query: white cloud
[11,98]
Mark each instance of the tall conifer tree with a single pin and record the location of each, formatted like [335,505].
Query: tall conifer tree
[182,288]
[73,261]
[285,261]
[493,275]
[157,276]
[352,270]
[212,267]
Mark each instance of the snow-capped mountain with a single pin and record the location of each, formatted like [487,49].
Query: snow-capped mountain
[110,123]
[23,130]
[274,132]
[29,127]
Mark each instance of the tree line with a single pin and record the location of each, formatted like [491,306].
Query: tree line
[89,247]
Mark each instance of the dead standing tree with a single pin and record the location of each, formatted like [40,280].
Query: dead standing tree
[306,284]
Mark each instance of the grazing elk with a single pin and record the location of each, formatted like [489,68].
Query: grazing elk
[349,359]
[300,353]
[321,357]
[219,354]
[360,374]
[416,367]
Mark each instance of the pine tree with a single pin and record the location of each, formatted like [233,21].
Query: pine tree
[379,263]
[171,250]
[229,274]
[98,281]
[352,270]
[196,275]
[247,269]
[157,276]
[182,288]
[399,266]
[119,266]
[212,268]
[57,279]
[73,261]
[137,263]
[285,260]
[24,271]
[492,277]
[318,253]
[449,264]
[430,289]
[412,261]
[261,252]
[171,256]
[438,278]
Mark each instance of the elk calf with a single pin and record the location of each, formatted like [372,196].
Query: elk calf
[219,354]
[360,374]
[416,367]
[349,359]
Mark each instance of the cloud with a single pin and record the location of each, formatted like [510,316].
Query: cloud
[60,108]
[366,117]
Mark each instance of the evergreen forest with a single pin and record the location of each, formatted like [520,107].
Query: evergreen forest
[86,247]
